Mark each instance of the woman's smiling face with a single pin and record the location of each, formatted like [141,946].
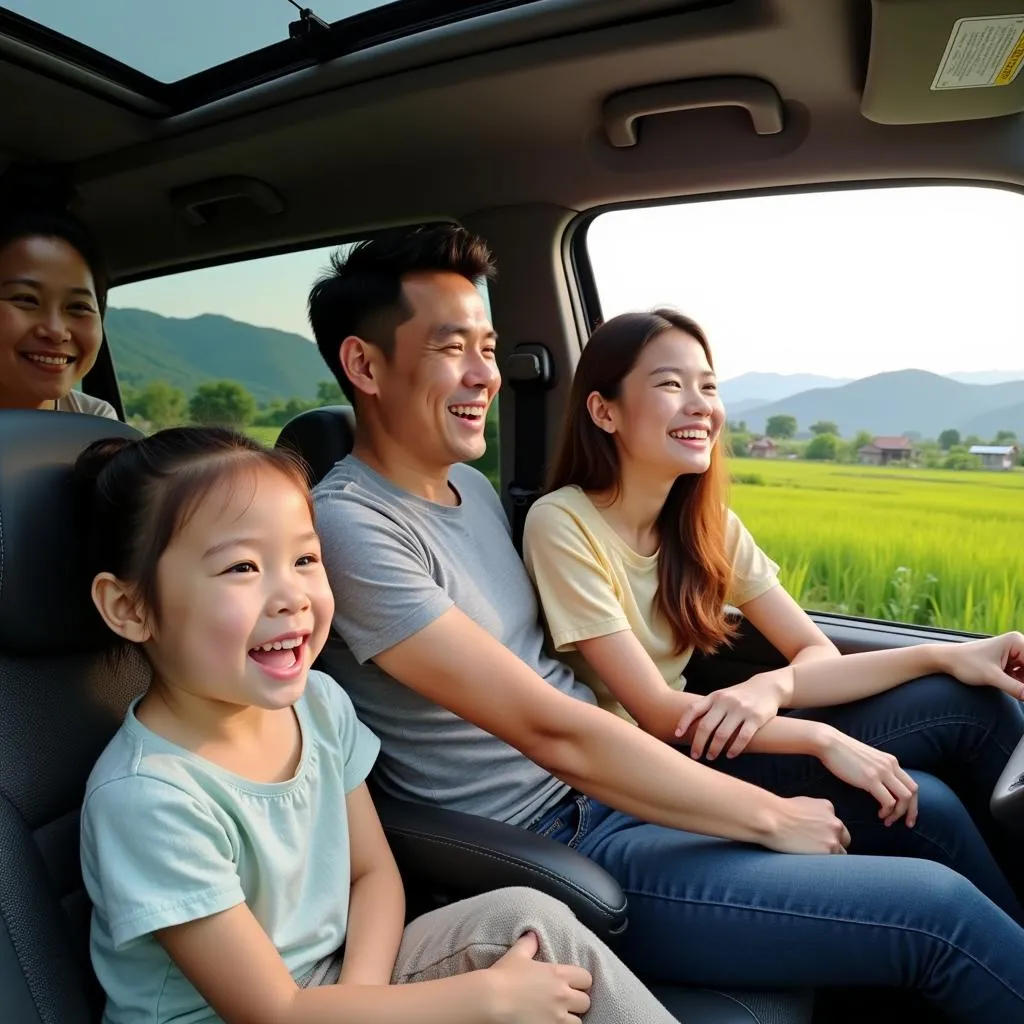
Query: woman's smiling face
[50,323]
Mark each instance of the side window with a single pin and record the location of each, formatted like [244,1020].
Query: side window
[229,344]
[869,351]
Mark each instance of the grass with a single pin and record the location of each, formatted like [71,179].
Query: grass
[265,435]
[928,547]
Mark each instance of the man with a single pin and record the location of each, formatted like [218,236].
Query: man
[441,651]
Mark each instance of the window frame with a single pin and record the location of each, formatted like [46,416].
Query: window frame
[859,632]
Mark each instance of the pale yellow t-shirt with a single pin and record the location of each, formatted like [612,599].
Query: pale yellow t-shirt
[591,583]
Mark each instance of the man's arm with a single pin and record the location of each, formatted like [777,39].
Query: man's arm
[455,663]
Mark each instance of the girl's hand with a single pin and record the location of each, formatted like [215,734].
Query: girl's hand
[996,661]
[873,771]
[531,992]
[736,711]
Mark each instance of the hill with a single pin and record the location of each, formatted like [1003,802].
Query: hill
[986,376]
[748,390]
[987,425]
[892,403]
[270,363]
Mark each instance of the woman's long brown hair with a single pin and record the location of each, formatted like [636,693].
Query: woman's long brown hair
[693,568]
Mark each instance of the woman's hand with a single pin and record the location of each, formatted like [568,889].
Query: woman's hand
[996,661]
[874,771]
[531,992]
[735,713]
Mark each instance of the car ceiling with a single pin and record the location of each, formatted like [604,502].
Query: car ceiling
[505,110]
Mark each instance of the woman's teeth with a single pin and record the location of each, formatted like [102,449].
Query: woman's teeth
[48,360]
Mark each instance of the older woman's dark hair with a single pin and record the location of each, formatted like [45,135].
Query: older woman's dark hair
[693,567]
[34,204]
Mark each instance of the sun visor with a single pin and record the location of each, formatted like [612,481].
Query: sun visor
[944,60]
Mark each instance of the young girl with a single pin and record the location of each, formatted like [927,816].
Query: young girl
[234,858]
[52,300]
[635,556]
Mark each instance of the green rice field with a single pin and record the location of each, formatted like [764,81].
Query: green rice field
[930,547]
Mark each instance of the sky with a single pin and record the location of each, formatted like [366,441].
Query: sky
[172,39]
[844,284]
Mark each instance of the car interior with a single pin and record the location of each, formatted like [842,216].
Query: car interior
[522,120]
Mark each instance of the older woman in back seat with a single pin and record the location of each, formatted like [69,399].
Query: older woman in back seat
[52,301]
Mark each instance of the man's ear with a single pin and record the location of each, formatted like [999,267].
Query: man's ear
[360,360]
[120,609]
[601,412]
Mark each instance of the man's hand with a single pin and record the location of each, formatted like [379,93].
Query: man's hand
[734,713]
[807,825]
[873,771]
[996,661]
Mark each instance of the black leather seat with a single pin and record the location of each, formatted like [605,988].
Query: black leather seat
[447,854]
[61,699]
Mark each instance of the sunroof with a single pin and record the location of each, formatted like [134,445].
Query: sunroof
[182,53]
[171,41]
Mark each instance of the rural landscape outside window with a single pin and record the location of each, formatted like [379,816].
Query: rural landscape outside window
[870,354]
[230,345]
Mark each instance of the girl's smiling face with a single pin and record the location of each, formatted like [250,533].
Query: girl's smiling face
[244,606]
[50,323]
[668,415]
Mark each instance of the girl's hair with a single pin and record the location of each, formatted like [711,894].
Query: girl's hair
[693,568]
[141,493]
[34,205]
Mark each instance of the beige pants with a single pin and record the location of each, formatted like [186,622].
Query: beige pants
[473,934]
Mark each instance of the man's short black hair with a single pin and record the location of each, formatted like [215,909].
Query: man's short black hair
[361,293]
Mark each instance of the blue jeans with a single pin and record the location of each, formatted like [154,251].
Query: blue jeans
[926,908]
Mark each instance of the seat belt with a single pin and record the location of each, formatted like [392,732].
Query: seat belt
[529,371]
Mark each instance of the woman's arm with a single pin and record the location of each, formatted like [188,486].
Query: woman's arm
[631,675]
[376,906]
[788,628]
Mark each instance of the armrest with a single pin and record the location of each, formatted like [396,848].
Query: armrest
[460,855]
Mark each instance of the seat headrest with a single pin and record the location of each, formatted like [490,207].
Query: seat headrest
[45,608]
[321,436]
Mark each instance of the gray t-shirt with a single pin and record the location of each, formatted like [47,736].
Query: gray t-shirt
[396,563]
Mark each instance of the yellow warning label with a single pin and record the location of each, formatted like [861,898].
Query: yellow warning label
[1008,72]
[981,53]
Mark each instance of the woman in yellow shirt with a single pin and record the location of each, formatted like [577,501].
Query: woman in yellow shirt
[636,558]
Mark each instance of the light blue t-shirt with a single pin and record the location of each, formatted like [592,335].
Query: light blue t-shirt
[168,837]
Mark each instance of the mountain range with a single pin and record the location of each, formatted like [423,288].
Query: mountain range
[894,403]
[276,364]
[270,363]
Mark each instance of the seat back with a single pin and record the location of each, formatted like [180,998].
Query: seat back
[62,696]
[321,437]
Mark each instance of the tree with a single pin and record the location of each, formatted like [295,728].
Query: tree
[160,404]
[822,448]
[959,458]
[824,427]
[861,438]
[328,392]
[949,439]
[222,402]
[736,427]
[781,426]
[1005,437]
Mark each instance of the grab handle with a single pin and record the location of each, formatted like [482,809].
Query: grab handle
[758,97]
